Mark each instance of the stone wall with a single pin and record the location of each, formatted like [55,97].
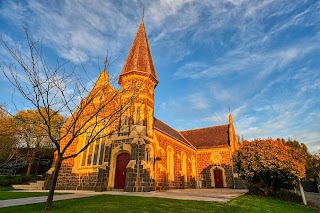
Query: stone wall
[179,181]
[139,177]
[206,161]
[240,183]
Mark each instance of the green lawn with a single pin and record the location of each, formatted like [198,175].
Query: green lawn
[7,193]
[112,203]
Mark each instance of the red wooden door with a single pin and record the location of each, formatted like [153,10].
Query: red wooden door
[122,162]
[218,182]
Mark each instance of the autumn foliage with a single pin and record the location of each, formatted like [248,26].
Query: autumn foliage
[270,162]
[33,132]
[7,134]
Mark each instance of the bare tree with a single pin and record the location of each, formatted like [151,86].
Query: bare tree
[57,90]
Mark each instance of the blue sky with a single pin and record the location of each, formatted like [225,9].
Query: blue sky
[261,58]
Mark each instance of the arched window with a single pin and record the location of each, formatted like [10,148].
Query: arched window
[170,163]
[193,166]
[183,164]
[138,115]
[149,156]
[94,154]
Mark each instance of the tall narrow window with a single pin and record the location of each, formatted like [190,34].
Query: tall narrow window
[150,119]
[94,153]
[90,154]
[97,146]
[138,115]
[183,164]
[170,163]
[84,153]
[101,155]
[193,166]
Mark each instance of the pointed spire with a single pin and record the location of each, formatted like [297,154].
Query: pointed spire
[139,59]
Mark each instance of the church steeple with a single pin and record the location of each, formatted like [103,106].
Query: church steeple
[139,76]
[139,59]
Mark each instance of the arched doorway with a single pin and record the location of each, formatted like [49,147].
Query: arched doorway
[120,176]
[218,177]
[218,181]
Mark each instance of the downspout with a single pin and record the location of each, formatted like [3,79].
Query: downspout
[231,161]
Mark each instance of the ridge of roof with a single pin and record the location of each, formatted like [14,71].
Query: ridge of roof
[168,130]
[204,128]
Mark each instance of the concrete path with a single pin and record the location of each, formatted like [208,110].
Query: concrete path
[313,199]
[41,199]
[214,195]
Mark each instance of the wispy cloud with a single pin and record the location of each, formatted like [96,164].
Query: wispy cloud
[198,101]
[259,57]
[76,31]
[242,62]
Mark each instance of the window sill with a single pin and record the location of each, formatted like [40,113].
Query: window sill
[87,169]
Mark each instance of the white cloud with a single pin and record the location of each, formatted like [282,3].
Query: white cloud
[76,30]
[159,11]
[198,101]
[217,118]
[254,8]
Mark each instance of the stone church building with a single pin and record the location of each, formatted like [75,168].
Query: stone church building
[145,153]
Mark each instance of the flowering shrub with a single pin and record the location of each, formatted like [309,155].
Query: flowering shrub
[270,161]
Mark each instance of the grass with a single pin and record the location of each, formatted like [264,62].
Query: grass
[113,203]
[7,193]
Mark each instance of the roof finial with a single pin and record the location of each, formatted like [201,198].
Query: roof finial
[230,116]
[142,13]
[105,63]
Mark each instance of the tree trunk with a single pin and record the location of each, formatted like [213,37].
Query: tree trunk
[30,163]
[268,188]
[54,182]
[302,193]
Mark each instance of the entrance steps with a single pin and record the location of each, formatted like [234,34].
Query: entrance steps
[31,186]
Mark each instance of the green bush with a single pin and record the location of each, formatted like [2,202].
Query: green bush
[8,180]
[4,182]
[255,189]
[286,195]
[281,194]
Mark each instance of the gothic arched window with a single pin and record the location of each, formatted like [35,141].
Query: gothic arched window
[170,163]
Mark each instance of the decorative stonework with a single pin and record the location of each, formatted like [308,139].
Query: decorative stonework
[216,158]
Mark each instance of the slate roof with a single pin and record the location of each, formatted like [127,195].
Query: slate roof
[139,58]
[210,137]
[166,129]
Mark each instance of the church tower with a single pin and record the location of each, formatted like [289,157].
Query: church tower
[139,76]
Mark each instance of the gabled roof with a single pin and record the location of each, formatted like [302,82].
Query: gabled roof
[166,129]
[139,58]
[210,137]
[103,79]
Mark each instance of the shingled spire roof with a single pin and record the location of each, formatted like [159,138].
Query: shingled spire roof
[139,58]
